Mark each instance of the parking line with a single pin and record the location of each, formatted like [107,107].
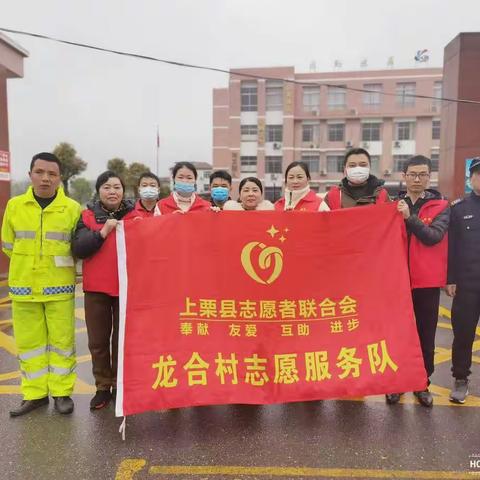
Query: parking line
[129,467]
[290,472]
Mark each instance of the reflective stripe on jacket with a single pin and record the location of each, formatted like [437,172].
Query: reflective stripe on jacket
[38,244]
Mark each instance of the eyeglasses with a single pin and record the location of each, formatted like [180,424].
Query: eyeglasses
[421,176]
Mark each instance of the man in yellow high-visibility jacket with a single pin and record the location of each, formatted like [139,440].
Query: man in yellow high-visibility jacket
[36,232]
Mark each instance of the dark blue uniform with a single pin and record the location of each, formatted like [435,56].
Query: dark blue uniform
[464,271]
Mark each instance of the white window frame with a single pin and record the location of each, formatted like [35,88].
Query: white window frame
[274,96]
[248,90]
[276,161]
[329,131]
[404,91]
[400,129]
[274,133]
[311,99]
[368,127]
[248,164]
[374,97]
[337,98]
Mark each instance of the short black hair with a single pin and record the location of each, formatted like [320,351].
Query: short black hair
[221,174]
[104,177]
[48,157]
[255,180]
[148,175]
[356,151]
[417,160]
[302,165]
[188,165]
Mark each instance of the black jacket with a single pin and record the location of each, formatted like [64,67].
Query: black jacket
[464,243]
[427,234]
[85,241]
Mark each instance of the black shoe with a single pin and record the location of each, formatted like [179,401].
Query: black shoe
[425,398]
[27,406]
[63,405]
[114,394]
[392,398]
[101,399]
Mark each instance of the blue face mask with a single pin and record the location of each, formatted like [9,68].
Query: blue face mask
[183,188]
[220,194]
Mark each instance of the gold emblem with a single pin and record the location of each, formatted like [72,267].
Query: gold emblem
[265,258]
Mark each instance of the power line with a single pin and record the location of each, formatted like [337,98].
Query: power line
[228,72]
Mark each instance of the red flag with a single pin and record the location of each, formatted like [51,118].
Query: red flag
[264,307]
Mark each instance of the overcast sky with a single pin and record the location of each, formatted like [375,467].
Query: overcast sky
[108,106]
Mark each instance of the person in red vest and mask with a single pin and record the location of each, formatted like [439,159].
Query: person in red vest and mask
[95,242]
[359,187]
[148,190]
[427,215]
[183,199]
[298,195]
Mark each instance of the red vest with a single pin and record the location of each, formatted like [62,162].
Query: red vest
[428,264]
[335,197]
[100,271]
[142,212]
[310,203]
[169,205]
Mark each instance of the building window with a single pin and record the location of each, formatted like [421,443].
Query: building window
[335,163]
[248,93]
[336,132]
[437,93]
[404,93]
[373,98]
[337,98]
[436,130]
[311,133]
[404,131]
[249,133]
[311,99]
[399,162]
[313,162]
[274,95]
[272,193]
[435,157]
[375,164]
[248,164]
[371,132]
[273,164]
[274,133]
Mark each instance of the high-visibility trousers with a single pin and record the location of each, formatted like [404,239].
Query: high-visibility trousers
[45,337]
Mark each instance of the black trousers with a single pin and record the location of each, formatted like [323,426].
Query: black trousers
[465,313]
[425,304]
[101,317]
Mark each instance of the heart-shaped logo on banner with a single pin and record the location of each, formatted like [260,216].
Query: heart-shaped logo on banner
[268,257]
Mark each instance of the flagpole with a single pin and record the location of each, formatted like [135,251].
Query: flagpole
[158,150]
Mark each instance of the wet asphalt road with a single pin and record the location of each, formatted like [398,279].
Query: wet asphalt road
[324,439]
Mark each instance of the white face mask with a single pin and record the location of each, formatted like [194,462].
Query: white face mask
[358,175]
[148,193]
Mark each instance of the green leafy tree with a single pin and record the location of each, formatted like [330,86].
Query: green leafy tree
[118,166]
[72,164]
[82,190]
[134,171]
[164,191]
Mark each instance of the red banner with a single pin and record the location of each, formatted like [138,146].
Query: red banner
[264,307]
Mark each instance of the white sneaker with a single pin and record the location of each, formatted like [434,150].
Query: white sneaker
[459,391]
